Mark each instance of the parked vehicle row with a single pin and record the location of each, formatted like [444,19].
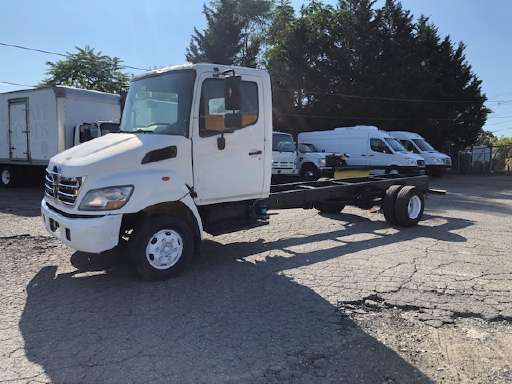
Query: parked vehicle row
[364,147]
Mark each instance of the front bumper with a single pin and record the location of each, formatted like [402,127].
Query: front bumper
[438,167]
[327,172]
[94,235]
[284,171]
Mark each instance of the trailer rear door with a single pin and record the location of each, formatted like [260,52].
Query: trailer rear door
[18,129]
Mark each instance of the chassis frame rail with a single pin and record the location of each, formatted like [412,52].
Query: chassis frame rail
[356,191]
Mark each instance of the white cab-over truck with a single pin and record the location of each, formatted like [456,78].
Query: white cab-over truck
[284,154]
[194,155]
[36,124]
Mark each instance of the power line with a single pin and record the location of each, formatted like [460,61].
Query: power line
[502,129]
[382,98]
[359,117]
[58,54]
[16,84]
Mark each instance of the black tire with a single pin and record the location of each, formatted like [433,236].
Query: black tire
[147,233]
[7,177]
[329,207]
[392,170]
[406,217]
[309,172]
[388,205]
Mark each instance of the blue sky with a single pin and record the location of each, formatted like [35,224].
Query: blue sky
[153,33]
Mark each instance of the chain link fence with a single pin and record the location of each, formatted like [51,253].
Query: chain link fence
[485,159]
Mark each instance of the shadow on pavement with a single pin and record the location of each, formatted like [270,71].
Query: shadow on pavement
[487,194]
[21,201]
[226,320]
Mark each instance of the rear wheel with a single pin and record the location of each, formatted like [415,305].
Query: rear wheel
[409,206]
[329,207]
[7,179]
[388,205]
[164,246]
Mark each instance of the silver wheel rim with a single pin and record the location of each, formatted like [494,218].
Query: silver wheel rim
[6,176]
[414,207]
[164,249]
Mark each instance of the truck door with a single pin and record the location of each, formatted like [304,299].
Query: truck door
[228,164]
[380,154]
[18,129]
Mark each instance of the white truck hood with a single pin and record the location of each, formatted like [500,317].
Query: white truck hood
[112,152]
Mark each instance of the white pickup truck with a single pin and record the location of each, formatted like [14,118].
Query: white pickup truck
[194,155]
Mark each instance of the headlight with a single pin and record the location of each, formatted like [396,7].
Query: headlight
[322,162]
[106,199]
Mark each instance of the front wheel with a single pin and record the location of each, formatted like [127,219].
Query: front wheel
[164,246]
[310,173]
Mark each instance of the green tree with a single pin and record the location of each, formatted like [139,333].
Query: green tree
[89,70]
[348,64]
[233,34]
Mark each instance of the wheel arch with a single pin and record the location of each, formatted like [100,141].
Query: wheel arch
[179,209]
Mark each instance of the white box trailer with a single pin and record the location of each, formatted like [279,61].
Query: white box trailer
[36,124]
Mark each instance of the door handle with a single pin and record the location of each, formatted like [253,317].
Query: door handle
[254,153]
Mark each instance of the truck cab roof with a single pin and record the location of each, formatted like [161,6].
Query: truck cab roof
[204,67]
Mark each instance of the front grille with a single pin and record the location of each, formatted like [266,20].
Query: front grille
[62,189]
[283,164]
[420,163]
[333,161]
[448,161]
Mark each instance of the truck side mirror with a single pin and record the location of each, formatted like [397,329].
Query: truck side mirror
[232,121]
[232,94]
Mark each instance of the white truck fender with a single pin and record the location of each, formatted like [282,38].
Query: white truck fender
[189,202]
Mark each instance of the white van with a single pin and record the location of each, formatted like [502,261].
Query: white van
[284,154]
[366,147]
[436,162]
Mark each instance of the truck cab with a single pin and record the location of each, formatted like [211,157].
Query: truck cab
[284,154]
[88,131]
[195,140]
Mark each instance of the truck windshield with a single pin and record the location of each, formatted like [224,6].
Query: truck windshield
[159,104]
[307,148]
[279,138]
[395,145]
[423,145]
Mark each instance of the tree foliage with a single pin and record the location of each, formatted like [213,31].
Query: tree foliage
[379,54]
[89,70]
[233,34]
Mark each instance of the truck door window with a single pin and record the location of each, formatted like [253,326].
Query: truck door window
[377,145]
[212,108]
[88,132]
